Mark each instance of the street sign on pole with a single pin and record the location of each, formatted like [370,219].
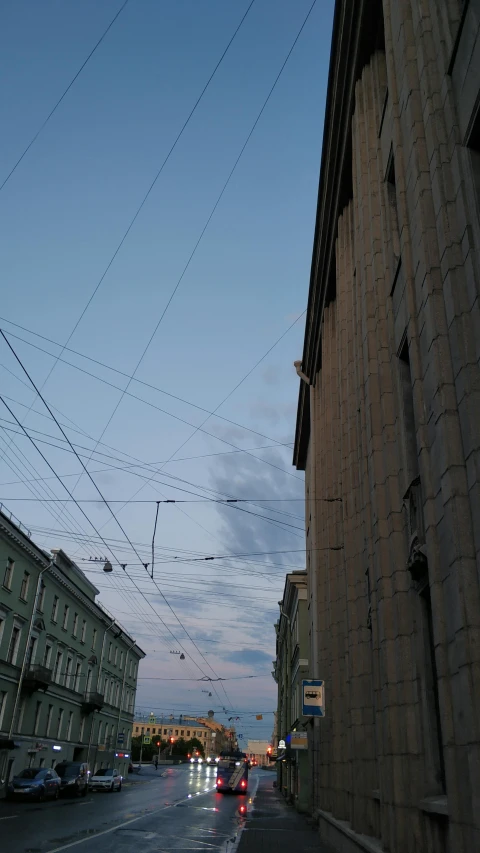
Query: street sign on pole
[121,737]
[147,739]
[313,698]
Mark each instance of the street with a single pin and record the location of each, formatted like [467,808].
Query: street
[173,808]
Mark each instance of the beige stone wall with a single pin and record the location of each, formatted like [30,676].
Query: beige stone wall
[407,276]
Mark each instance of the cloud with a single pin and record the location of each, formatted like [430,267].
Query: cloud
[249,657]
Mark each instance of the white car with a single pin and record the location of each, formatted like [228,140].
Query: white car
[106,779]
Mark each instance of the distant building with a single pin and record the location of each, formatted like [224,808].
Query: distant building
[68,670]
[291,666]
[212,735]
[258,750]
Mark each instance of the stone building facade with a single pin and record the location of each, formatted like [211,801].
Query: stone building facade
[388,431]
[68,670]
[291,667]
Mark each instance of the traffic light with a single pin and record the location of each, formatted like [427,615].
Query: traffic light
[172,740]
[157,743]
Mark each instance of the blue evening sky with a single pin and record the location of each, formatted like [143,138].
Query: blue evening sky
[63,213]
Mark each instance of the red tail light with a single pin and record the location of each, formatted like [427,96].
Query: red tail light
[219,781]
[242,783]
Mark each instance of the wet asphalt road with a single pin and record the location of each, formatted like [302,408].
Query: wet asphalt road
[173,809]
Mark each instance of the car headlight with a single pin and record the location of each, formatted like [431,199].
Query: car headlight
[192,761]
[200,760]
[71,782]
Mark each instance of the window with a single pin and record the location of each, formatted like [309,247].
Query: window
[84,630]
[49,720]
[89,680]
[82,729]
[154,731]
[36,724]
[78,672]
[2,623]
[409,426]
[188,732]
[115,657]
[109,652]
[164,731]
[60,722]
[148,730]
[41,597]
[131,668]
[55,608]
[176,732]
[20,716]
[68,671]
[24,586]
[69,727]
[121,660]
[47,655]
[31,651]
[13,646]
[57,667]
[100,727]
[75,624]
[7,578]
[3,705]
[94,638]
[182,732]
[65,617]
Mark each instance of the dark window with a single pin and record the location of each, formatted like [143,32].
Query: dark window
[409,429]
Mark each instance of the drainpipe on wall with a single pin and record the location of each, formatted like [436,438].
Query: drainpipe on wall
[123,689]
[99,673]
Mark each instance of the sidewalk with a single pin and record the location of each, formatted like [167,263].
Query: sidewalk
[275,827]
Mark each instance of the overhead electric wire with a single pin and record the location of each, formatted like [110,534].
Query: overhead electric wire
[125,392]
[95,486]
[149,384]
[62,96]
[159,172]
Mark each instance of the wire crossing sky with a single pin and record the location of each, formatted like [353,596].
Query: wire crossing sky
[122,124]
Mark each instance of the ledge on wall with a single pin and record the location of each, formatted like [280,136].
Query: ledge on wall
[340,835]
[435,805]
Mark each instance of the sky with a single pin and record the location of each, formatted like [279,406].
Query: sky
[190,306]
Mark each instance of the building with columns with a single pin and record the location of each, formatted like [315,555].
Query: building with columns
[388,432]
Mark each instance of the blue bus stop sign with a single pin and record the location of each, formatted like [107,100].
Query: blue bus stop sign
[313,698]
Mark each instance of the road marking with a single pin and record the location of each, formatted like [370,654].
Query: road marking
[113,828]
[9,817]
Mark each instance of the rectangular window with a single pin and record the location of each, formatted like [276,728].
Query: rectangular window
[60,723]
[89,680]
[131,668]
[78,678]
[100,728]
[36,724]
[176,732]
[94,638]
[31,651]
[2,625]
[82,729]
[13,646]
[7,578]
[188,733]
[20,716]
[47,655]
[24,586]
[49,720]
[55,608]
[84,630]
[69,727]
[121,660]
[75,624]
[3,705]
[182,732]
[41,597]
[115,657]
[57,667]
[164,731]
[65,617]
[110,653]
[68,671]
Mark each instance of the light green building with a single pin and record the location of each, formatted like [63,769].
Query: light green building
[68,670]
[291,667]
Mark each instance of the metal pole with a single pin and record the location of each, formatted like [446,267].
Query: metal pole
[27,646]
[123,688]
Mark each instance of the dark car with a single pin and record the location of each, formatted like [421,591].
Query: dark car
[73,778]
[35,783]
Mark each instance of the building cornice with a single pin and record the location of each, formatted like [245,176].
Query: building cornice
[354,38]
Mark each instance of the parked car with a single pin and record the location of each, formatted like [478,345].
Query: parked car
[106,779]
[73,777]
[35,783]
